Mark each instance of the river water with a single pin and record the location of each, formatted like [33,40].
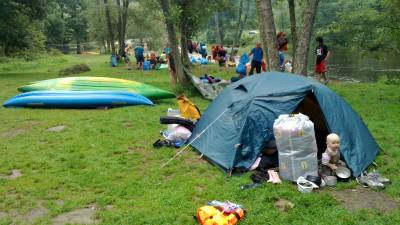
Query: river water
[356,67]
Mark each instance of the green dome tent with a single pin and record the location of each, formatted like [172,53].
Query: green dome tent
[238,123]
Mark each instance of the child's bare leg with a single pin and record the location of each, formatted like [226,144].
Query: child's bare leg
[325,78]
[319,76]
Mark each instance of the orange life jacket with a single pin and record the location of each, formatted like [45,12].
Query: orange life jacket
[210,215]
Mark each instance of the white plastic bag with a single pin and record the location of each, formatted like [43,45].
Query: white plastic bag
[172,112]
[297,147]
[178,133]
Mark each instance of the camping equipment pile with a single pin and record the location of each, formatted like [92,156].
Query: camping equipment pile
[198,59]
[220,213]
[207,85]
[180,124]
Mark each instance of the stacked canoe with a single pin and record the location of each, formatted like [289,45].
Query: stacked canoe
[86,92]
[76,99]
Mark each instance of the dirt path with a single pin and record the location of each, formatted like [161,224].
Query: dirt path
[363,198]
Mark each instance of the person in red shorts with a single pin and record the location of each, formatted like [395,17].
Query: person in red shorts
[322,54]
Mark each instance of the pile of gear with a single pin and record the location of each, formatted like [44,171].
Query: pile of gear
[220,213]
[180,124]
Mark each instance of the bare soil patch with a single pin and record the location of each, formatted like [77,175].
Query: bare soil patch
[13,133]
[127,124]
[362,198]
[35,213]
[28,217]
[14,175]
[78,216]
[21,130]
[3,215]
[60,202]
[131,150]
[284,205]
[57,128]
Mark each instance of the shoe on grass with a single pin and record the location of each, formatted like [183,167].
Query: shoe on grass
[368,181]
[375,174]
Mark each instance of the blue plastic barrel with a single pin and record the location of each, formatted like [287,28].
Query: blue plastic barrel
[146,65]
[114,61]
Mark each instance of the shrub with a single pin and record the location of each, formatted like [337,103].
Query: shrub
[75,69]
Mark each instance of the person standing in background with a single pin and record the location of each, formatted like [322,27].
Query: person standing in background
[282,48]
[139,50]
[256,62]
[322,54]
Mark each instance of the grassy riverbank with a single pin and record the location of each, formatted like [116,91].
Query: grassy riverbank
[105,158]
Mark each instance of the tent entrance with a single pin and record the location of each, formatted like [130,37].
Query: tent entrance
[310,107]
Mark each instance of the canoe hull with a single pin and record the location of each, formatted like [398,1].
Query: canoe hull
[76,99]
[97,84]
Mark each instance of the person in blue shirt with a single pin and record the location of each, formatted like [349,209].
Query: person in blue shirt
[256,62]
[203,50]
[139,50]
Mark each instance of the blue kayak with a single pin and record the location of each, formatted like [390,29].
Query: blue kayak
[76,99]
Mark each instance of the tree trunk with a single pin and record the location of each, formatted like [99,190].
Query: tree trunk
[267,24]
[183,30]
[109,26]
[122,17]
[125,5]
[218,28]
[78,47]
[293,28]
[173,44]
[108,45]
[238,25]
[6,49]
[246,15]
[184,46]
[121,41]
[303,42]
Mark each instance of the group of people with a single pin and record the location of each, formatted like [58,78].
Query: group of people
[139,52]
[194,47]
[219,54]
[321,51]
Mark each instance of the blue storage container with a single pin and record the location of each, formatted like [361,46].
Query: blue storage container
[146,65]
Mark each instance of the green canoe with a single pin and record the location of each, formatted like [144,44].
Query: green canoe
[97,84]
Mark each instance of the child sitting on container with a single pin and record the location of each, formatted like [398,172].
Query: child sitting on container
[331,156]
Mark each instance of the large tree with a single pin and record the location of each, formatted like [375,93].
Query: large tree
[293,26]
[243,14]
[21,25]
[109,26]
[121,24]
[77,23]
[191,21]
[179,77]
[267,27]
[303,41]
[219,28]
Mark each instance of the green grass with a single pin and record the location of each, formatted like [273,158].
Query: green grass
[106,157]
